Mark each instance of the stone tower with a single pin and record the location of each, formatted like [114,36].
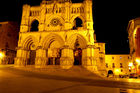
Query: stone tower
[58,32]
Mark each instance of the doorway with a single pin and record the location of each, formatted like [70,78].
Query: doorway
[78,56]
[32,57]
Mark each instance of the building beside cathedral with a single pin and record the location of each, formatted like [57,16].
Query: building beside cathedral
[119,64]
[134,43]
[8,41]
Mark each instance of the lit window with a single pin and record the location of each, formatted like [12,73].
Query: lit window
[112,57]
[113,65]
[128,57]
[121,66]
[106,65]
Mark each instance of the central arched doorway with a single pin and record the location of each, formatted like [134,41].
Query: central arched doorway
[32,57]
[54,53]
[78,56]
[77,53]
[32,54]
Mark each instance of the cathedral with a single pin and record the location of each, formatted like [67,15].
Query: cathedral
[59,32]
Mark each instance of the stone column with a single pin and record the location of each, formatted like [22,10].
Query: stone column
[41,59]
[67,59]
[88,59]
[21,57]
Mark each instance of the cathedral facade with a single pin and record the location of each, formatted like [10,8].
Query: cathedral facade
[59,32]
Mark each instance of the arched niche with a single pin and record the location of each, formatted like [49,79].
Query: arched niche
[77,23]
[34,26]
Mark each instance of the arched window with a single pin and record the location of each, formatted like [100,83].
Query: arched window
[34,26]
[77,23]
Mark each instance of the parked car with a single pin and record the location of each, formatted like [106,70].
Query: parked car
[123,76]
[133,75]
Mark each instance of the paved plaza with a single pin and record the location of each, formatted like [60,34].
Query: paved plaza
[31,80]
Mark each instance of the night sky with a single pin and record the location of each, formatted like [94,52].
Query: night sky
[110,17]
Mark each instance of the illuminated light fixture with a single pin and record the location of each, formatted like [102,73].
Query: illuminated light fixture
[130,64]
[138,61]
[1,55]
[117,71]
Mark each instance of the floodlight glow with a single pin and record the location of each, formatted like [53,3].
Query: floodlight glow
[1,55]
[138,61]
[130,64]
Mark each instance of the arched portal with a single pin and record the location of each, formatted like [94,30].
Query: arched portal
[77,42]
[53,43]
[30,50]
[110,72]
[54,53]
[77,53]
[34,26]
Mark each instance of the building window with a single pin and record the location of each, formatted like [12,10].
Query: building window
[128,57]
[8,34]
[120,57]
[112,57]
[121,66]
[106,65]
[121,70]
[113,65]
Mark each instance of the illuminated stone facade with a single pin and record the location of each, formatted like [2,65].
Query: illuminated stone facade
[119,64]
[58,32]
[8,41]
[134,42]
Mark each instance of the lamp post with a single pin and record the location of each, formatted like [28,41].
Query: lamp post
[130,66]
[1,57]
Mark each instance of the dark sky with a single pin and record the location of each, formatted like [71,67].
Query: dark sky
[111,18]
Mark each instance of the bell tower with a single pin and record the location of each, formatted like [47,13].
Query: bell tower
[88,14]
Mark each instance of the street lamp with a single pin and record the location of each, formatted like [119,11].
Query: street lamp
[130,64]
[138,61]
[117,71]
[1,55]
[138,65]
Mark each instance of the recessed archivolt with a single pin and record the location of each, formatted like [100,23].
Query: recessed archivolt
[46,42]
[79,38]
[29,42]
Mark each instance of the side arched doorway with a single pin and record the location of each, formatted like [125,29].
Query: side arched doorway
[78,43]
[30,50]
[110,72]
